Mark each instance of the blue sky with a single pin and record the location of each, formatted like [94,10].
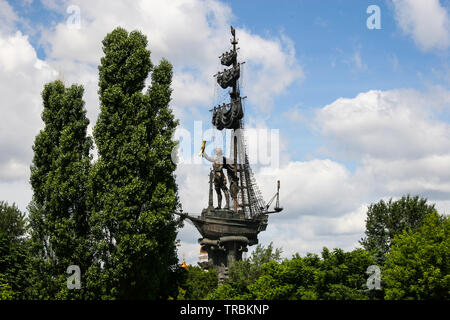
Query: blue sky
[362,114]
[326,35]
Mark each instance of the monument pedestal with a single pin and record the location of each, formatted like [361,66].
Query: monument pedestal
[223,252]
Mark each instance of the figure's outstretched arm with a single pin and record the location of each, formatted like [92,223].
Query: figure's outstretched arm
[205,155]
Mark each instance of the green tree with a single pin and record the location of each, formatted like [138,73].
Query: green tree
[343,275]
[13,252]
[12,221]
[6,292]
[244,272]
[229,291]
[198,283]
[133,188]
[418,265]
[387,219]
[59,176]
[336,275]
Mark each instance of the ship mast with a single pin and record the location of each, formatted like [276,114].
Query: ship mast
[229,116]
[235,94]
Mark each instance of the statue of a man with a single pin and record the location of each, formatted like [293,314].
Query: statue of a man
[220,181]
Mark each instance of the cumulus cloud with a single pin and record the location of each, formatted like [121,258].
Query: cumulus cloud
[427,22]
[428,176]
[311,188]
[272,67]
[191,35]
[22,76]
[401,144]
[386,124]
[310,234]
[322,202]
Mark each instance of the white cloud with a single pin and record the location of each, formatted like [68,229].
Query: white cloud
[193,181]
[311,234]
[272,67]
[311,188]
[443,206]
[402,147]
[427,22]
[401,144]
[191,35]
[428,176]
[386,124]
[22,77]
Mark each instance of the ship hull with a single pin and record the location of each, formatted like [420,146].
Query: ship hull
[222,223]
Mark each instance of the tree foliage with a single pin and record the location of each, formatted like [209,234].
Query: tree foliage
[59,175]
[133,189]
[6,292]
[418,265]
[334,275]
[13,252]
[197,283]
[12,221]
[387,219]
[245,272]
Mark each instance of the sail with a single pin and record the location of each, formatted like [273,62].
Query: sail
[228,58]
[228,116]
[228,77]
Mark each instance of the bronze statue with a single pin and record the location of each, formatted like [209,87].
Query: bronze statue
[220,181]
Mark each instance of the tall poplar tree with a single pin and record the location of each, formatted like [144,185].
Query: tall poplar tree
[59,177]
[134,193]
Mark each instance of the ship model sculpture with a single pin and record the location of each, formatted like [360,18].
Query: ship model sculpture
[226,232]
